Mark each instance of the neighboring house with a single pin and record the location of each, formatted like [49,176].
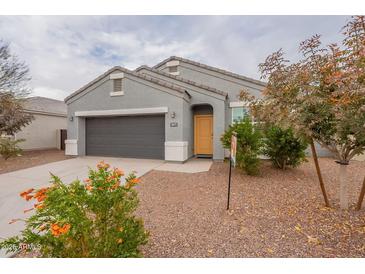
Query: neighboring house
[50,116]
[177,109]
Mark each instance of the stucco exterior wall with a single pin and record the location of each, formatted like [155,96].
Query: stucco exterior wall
[231,85]
[200,96]
[42,132]
[188,128]
[217,80]
[137,94]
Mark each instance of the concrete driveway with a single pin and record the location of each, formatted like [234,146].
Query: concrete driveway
[12,183]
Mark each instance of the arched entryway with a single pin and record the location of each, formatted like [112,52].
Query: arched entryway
[203,130]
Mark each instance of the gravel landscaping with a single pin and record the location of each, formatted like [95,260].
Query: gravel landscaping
[32,158]
[277,214]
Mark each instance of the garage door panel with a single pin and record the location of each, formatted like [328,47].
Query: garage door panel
[127,136]
[125,140]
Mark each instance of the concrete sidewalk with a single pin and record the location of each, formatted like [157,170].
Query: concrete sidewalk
[12,183]
[193,165]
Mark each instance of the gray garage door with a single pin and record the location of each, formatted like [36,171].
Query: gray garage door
[126,136]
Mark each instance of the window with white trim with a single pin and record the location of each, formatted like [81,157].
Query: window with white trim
[238,113]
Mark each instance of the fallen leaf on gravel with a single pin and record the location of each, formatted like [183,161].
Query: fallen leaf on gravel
[361,230]
[230,212]
[210,250]
[298,228]
[242,229]
[325,208]
[313,240]
[270,250]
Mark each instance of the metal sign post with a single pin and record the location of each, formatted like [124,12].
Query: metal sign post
[232,161]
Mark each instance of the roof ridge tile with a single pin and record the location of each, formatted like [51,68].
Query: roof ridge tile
[226,72]
[188,81]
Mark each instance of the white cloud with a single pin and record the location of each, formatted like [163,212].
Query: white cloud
[65,52]
[54,93]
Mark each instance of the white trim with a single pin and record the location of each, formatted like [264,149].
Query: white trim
[176,73]
[122,112]
[119,75]
[116,93]
[176,151]
[238,104]
[173,63]
[71,147]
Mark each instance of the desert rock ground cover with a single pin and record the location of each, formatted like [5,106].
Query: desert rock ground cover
[277,214]
[32,158]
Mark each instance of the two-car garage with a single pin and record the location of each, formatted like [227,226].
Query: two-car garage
[126,136]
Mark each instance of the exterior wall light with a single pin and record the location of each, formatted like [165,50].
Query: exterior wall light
[173,114]
[71,118]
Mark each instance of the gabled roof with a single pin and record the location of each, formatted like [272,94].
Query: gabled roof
[225,72]
[45,105]
[127,71]
[214,90]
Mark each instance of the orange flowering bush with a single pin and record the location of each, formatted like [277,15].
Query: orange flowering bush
[93,218]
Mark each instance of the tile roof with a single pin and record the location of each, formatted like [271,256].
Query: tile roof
[223,93]
[127,71]
[45,105]
[235,75]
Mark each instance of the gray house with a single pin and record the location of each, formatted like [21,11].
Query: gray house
[173,111]
[44,132]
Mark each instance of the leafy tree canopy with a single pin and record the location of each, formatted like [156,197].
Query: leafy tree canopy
[321,96]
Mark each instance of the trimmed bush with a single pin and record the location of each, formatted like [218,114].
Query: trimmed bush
[93,218]
[283,147]
[248,144]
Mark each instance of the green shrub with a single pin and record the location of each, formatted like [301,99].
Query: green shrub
[283,147]
[9,148]
[90,219]
[248,144]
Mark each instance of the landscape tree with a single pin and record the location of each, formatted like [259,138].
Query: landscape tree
[322,96]
[14,76]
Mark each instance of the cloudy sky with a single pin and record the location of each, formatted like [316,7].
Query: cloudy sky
[65,52]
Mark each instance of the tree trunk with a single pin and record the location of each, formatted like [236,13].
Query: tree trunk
[361,197]
[319,174]
[344,192]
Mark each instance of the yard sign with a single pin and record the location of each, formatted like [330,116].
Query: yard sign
[233,148]
[232,161]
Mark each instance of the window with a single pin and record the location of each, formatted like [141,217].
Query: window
[238,113]
[117,85]
[173,69]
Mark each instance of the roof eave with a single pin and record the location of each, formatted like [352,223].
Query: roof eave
[127,71]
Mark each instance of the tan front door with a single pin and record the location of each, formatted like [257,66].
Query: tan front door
[203,134]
